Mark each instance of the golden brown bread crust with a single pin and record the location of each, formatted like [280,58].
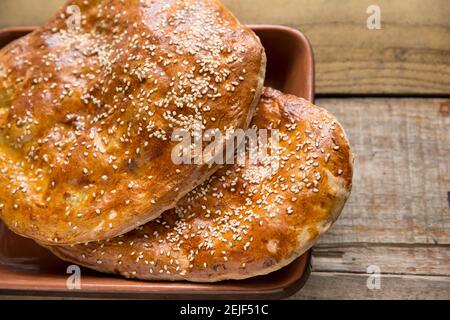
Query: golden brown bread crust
[86,114]
[244,221]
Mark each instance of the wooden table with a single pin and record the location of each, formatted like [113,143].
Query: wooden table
[398,216]
[390,88]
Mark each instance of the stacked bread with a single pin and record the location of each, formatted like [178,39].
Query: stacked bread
[88,111]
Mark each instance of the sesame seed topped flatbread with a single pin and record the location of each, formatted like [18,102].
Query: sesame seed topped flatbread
[246,220]
[88,106]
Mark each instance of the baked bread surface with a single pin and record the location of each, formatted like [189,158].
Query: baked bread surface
[246,220]
[87,112]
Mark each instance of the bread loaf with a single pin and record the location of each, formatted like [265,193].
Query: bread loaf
[89,101]
[246,220]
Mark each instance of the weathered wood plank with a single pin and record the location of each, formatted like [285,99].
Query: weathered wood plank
[409,55]
[402,171]
[329,285]
[26,13]
[391,259]
[398,217]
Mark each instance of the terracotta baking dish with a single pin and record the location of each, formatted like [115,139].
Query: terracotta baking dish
[28,269]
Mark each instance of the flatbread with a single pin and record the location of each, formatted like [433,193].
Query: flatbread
[246,220]
[87,111]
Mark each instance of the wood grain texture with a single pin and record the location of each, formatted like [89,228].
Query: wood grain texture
[329,285]
[402,171]
[393,259]
[409,55]
[398,217]
[27,12]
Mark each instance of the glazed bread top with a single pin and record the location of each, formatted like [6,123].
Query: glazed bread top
[87,111]
[246,220]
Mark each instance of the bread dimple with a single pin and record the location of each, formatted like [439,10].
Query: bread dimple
[86,114]
[245,220]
